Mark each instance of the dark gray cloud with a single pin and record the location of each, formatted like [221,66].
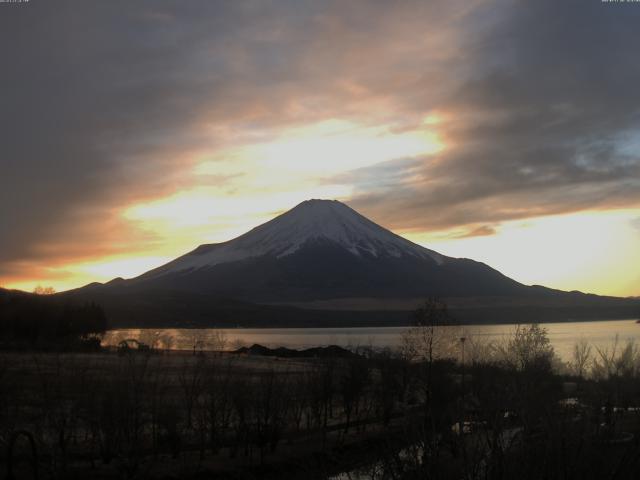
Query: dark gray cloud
[86,103]
[101,100]
[547,122]
[101,104]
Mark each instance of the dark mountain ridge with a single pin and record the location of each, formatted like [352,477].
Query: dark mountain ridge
[322,251]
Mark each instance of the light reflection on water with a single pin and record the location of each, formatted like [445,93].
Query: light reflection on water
[563,336]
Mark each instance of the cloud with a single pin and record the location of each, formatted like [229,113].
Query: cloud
[542,125]
[107,104]
[110,103]
[482,231]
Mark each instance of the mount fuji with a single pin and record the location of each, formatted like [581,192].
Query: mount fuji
[311,222]
[323,249]
[324,257]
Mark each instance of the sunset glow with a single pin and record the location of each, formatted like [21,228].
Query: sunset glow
[591,251]
[442,136]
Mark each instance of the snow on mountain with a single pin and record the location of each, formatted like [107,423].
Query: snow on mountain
[310,221]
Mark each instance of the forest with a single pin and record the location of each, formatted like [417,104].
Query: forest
[31,321]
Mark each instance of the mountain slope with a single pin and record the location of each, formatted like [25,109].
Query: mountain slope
[319,253]
[323,249]
[313,221]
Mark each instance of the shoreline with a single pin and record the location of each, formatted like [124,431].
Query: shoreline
[372,325]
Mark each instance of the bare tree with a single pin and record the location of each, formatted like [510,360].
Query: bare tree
[580,358]
[219,406]
[352,385]
[191,380]
[528,347]
[167,341]
[427,340]
[218,341]
[428,344]
[321,383]
[40,290]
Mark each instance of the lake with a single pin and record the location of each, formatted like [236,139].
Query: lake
[563,336]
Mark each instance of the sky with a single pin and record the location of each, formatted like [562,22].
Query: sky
[499,130]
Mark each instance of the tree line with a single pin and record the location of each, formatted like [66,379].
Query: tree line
[44,321]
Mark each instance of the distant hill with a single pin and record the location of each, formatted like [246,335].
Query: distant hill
[305,266]
[44,321]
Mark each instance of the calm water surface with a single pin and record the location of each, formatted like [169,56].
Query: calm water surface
[562,335]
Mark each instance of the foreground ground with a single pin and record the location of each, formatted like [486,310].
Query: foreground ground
[373,415]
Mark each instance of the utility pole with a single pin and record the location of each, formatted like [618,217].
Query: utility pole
[462,341]
[462,420]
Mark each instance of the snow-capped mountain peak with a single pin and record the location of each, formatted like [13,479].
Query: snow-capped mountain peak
[311,221]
